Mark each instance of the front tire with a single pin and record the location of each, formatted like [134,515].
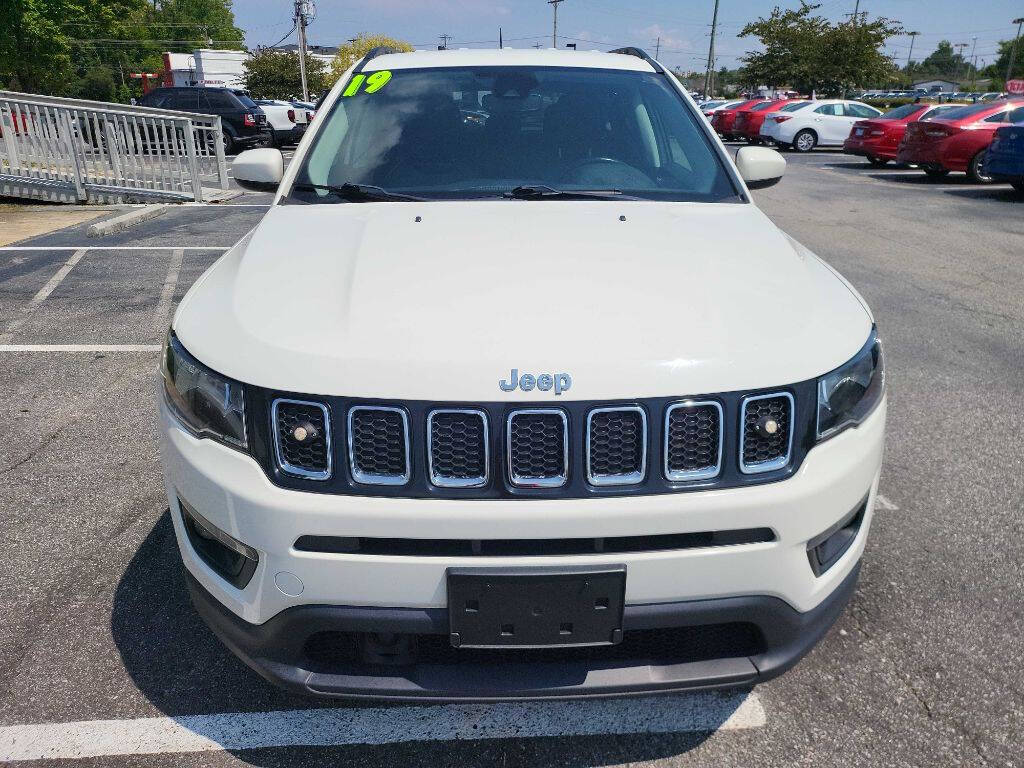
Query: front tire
[805,140]
[976,169]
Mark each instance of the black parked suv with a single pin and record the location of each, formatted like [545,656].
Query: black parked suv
[244,123]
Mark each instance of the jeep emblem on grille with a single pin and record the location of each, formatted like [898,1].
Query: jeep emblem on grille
[545,382]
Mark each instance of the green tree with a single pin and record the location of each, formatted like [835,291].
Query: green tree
[997,69]
[945,63]
[355,49]
[52,46]
[810,53]
[271,74]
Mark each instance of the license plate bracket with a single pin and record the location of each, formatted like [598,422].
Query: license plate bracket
[536,607]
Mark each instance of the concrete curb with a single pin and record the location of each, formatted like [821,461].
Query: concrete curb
[220,195]
[126,220]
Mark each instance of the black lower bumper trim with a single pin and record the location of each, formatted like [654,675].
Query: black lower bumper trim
[277,650]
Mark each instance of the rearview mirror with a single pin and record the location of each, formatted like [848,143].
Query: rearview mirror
[259,169]
[760,167]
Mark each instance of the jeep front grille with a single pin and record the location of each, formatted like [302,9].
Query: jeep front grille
[616,445]
[378,445]
[761,451]
[302,438]
[501,450]
[538,448]
[693,440]
[457,449]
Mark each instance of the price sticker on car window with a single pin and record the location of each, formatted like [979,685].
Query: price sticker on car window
[367,84]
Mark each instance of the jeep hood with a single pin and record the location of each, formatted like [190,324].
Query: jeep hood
[439,301]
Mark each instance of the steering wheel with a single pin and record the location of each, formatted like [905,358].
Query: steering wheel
[607,171]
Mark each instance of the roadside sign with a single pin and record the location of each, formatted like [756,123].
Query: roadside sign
[1015,86]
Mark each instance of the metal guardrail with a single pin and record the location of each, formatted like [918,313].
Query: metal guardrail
[71,150]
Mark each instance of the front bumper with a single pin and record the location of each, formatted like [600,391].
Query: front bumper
[769,585]
[278,650]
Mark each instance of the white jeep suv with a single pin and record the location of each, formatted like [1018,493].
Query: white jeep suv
[510,424]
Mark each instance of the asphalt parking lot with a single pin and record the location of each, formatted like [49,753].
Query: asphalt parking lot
[923,669]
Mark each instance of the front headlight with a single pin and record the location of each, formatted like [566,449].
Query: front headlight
[208,404]
[850,392]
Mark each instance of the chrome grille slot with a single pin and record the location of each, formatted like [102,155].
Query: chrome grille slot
[761,451]
[458,448]
[616,445]
[302,438]
[693,440]
[538,448]
[378,445]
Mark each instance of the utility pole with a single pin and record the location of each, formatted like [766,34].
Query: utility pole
[708,81]
[855,16]
[444,42]
[301,19]
[974,62]
[911,35]
[956,72]
[657,48]
[1013,49]
[554,25]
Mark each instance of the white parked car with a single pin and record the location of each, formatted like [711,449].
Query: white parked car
[287,121]
[508,396]
[806,125]
[709,108]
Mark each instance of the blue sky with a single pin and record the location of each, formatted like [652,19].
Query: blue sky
[682,26]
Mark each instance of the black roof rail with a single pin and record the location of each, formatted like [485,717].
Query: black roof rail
[640,53]
[373,53]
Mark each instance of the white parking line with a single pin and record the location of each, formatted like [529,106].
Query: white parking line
[160,318]
[698,712]
[883,503]
[80,347]
[40,297]
[114,247]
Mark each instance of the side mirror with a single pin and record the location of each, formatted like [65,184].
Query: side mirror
[259,169]
[758,166]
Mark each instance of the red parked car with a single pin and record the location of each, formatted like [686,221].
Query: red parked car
[878,139]
[723,119]
[957,141]
[748,121]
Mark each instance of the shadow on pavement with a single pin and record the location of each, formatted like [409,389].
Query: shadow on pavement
[920,178]
[1000,193]
[178,664]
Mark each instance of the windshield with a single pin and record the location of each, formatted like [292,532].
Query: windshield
[941,111]
[243,97]
[969,111]
[900,112]
[462,133]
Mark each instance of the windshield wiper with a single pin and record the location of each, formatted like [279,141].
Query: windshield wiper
[544,192]
[358,193]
